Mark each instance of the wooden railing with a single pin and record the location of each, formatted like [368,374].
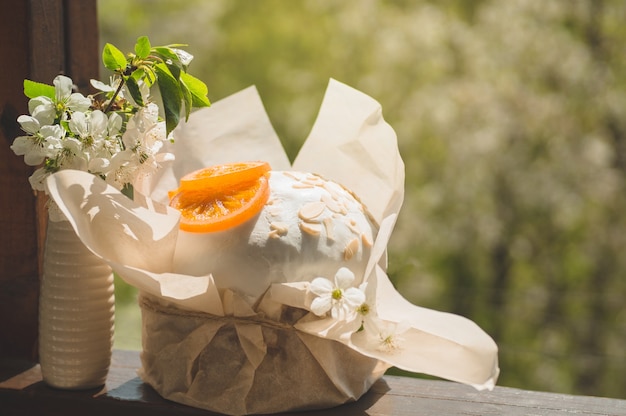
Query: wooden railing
[23,393]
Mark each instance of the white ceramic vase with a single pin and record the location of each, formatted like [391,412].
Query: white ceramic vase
[76,312]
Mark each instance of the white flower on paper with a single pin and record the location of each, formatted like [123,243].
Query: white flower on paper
[385,336]
[340,298]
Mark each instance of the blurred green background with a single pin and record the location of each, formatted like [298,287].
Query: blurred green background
[511,119]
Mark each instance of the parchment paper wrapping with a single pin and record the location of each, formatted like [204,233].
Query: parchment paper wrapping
[218,370]
[208,347]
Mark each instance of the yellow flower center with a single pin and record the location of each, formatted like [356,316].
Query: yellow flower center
[363,309]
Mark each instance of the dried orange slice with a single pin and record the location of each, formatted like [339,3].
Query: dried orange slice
[225,175]
[221,197]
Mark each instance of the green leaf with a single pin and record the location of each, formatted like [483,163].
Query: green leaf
[142,47]
[170,94]
[113,58]
[150,76]
[198,90]
[34,89]
[166,53]
[174,70]
[133,88]
[138,74]
[187,98]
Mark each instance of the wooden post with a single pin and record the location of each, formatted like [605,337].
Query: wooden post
[39,39]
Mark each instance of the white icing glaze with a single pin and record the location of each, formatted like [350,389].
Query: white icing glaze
[285,242]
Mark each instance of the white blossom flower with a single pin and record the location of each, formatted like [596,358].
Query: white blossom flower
[43,109]
[90,127]
[66,99]
[47,110]
[340,298]
[385,336]
[43,141]
[37,179]
[108,134]
[29,124]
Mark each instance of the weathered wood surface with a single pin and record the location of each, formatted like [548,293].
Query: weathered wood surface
[25,394]
[39,39]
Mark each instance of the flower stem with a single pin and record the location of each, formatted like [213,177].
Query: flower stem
[115,94]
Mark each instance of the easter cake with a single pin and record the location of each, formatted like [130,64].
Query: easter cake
[263,284]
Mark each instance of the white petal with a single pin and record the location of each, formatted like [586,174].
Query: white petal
[99,85]
[52,146]
[37,178]
[321,286]
[321,305]
[54,131]
[38,102]
[29,124]
[78,124]
[72,144]
[35,156]
[114,124]
[44,114]
[42,108]
[354,297]
[344,278]
[372,325]
[130,137]
[78,102]
[22,145]
[62,87]
[98,123]
[164,157]
[99,165]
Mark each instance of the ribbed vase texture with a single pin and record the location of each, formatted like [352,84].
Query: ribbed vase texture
[76,312]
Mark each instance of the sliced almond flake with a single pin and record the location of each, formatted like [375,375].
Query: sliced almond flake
[280,227]
[366,240]
[302,185]
[351,249]
[311,183]
[353,227]
[311,228]
[273,234]
[311,210]
[291,175]
[332,191]
[331,203]
[330,229]
[274,211]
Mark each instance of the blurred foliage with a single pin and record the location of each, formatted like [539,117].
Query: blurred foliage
[511,121]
